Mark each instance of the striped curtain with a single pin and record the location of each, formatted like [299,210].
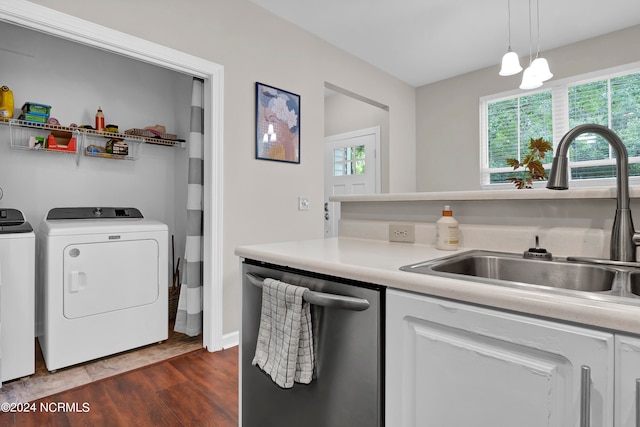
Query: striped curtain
[0,320]
[189,314]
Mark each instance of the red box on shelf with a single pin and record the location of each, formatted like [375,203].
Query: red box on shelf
[61,141]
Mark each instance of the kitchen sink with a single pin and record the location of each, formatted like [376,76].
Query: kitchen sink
[560,275]
[634,283]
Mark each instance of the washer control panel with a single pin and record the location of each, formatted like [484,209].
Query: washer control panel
[12,221]
[93,213]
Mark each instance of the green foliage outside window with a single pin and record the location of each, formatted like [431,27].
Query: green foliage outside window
[514,122]
[613,102]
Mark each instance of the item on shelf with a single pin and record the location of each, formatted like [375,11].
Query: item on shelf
[157,128]
[99,120]
[35,118]
[117,146]
[34,112]
[53,121]
[6,103]
[86,127]
[151,133]
[95,149]
[111,128]
[61,140]
[120,147]
[37,142]
[36,109]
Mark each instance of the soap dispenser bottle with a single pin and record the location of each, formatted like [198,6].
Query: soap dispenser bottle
[447,231]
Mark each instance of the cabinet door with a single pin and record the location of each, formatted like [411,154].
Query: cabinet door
[627,382]
[450,364]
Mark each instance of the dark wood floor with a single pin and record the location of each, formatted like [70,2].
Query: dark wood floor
[196,389]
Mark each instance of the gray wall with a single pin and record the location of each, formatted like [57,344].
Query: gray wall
[448,117]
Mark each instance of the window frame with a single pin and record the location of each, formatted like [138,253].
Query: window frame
[560,120]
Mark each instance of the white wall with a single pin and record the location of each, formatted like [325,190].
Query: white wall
[448,117]
[75,79]
[260,197]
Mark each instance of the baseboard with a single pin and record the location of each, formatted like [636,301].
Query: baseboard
[231,339]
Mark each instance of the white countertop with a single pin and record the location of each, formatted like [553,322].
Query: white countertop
[378,262]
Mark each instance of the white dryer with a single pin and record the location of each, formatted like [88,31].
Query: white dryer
[102,283]
[17,292]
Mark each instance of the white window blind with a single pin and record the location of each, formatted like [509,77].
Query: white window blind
[609,100]
[511,125]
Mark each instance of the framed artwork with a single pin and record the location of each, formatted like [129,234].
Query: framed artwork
[277,124]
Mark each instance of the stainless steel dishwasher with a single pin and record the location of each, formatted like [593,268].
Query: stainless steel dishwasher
[348,329]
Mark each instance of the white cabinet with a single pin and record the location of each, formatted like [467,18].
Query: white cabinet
[627,383]
[450,364]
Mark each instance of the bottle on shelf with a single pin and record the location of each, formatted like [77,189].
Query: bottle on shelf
[99,120]
[447,233]
[6,102]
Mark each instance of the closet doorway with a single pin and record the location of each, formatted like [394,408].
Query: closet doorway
[57,24]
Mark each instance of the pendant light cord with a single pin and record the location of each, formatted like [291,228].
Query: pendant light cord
[538,26]
[530,38]
[509,21]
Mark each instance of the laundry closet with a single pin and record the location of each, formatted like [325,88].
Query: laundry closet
[76,80]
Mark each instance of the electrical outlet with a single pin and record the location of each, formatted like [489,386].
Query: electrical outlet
[402,233]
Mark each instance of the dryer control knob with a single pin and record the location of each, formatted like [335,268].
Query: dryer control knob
[97,211]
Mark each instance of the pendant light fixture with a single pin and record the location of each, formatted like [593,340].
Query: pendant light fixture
[510,60]
[538,70]
[530,79]
[540,65]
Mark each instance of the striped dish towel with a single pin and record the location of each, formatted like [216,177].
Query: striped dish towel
[284,349]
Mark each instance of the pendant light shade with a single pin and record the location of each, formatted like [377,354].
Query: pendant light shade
[529,79]
[538,70]
[510,60]
[510,64]
[541,69]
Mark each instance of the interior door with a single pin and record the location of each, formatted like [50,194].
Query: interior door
[351,167]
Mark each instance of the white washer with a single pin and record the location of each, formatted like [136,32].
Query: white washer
[102,283]
[17,290]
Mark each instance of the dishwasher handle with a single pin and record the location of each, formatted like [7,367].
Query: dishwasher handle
[322,298]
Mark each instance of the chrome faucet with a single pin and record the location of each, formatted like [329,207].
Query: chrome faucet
[624,238]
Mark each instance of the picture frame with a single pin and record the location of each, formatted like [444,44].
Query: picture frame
[277,124]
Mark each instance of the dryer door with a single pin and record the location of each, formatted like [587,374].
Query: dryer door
[108,276]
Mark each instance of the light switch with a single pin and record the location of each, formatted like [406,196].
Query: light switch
[303,203]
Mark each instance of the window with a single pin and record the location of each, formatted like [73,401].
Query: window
[610,100]
[511,124]
[349,161]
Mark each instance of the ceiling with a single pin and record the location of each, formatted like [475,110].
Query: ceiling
[423,41]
